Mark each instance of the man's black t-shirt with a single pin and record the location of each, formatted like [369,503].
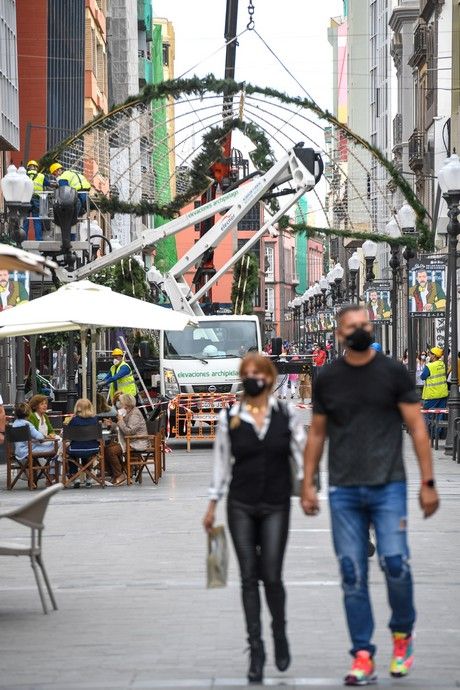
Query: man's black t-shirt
[363,419]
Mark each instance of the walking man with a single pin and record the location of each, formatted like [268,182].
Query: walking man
[360,402]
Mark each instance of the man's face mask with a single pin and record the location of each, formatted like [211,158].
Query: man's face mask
[359,340]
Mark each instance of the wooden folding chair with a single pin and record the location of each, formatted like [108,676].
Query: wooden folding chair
[32,515]
[149,459]
[30,468]
[85,466]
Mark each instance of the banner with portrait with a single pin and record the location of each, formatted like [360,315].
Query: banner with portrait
[14,288]
[378,301]
[428,286]
[322,322]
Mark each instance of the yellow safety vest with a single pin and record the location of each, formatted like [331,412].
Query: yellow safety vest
[38,179]
[126,384]
[76,180]
[435,386]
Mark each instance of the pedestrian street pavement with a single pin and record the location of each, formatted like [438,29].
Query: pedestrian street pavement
[128,569]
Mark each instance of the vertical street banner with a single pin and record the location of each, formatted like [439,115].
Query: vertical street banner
[378,301]
[428,286]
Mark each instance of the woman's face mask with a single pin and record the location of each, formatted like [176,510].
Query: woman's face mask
[253,386]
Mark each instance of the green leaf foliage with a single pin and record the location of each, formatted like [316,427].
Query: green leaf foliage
[245,284]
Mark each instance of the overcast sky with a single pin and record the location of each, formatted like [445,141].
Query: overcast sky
[296,30]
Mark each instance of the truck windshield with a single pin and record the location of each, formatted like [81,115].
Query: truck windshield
[211,339]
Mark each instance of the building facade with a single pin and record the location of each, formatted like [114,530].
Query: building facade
[9,142]
[9,100]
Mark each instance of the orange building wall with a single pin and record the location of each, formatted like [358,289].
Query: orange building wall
[32,37]
[185,240]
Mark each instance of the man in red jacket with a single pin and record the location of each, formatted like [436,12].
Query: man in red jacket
[319,356]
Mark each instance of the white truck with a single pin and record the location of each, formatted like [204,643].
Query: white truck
[205,357]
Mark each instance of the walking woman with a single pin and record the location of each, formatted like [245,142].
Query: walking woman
[255,442]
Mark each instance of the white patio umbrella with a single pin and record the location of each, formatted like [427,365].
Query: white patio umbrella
[85,305]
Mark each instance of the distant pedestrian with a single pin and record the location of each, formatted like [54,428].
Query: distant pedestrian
[261,434]
[360,402]
[294,380]
[319,356]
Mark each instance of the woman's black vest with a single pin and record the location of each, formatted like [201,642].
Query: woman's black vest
[261,471]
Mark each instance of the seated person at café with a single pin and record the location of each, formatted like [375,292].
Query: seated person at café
[41,442]
[130,422]
[83,416]
[38,406]
[103,409]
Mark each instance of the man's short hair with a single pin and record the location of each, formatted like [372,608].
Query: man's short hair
[348,309]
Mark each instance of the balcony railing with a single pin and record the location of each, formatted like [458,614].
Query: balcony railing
[397,129]
[416,150]
[420,45]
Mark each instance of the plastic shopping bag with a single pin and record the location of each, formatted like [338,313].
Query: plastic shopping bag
[217,559]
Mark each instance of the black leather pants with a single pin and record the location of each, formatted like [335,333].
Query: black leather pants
[259,535]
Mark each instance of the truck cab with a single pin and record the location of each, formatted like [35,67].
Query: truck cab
[206,358]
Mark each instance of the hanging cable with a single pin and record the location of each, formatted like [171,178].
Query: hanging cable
[197,64]
[283,65]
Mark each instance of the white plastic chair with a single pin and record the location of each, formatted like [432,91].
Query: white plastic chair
[32,515]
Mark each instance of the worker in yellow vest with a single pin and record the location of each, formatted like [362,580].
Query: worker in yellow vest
[74,179]
[120,376]
[434,376]
[40,182]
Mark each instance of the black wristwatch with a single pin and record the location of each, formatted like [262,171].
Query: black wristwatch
[430,483]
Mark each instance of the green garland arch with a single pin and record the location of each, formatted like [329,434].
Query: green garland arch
[262,157]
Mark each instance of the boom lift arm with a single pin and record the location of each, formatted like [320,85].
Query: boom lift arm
[302,166]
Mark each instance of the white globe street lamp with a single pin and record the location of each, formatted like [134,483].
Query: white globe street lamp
[406,218]
[370,252]
[17,189]
[353,266]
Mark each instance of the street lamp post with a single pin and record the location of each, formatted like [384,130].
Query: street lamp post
[393,231]
[370,252]
[407,222]
[338,273]
[324,285]
[332,287]
[353,267]
[17,190]
[449,181]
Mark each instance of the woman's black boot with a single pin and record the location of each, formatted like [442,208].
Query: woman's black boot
[282,655]
[257,661]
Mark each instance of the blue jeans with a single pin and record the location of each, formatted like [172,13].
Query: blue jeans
[353,510]
[38,225]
